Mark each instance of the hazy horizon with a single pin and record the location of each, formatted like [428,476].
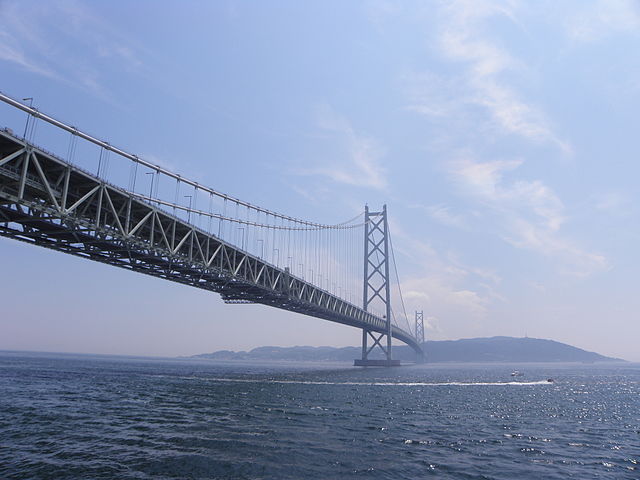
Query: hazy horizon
[281,346]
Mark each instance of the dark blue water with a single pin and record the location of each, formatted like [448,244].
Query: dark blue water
[77,417]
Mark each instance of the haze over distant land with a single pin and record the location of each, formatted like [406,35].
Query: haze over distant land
[501,135]
[495,349]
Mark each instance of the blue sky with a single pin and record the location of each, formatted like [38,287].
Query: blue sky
[501,135]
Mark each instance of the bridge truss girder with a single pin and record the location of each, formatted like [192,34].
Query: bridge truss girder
[46,201]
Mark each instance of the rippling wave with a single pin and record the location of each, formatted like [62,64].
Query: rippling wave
[77,417]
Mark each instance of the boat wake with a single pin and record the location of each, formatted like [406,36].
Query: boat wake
[375,384]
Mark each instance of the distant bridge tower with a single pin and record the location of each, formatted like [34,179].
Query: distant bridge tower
[419,326]
[376,285]
[419,330]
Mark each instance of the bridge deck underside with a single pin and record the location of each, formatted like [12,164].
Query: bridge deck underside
[49,202]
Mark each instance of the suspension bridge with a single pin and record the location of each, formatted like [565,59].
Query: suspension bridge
[102,203]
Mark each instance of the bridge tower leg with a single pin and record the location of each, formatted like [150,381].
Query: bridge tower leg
[419,329]
[376,286]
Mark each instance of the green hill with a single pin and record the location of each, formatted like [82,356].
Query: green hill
[493,349]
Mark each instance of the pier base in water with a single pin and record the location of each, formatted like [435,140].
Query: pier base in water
[358,362]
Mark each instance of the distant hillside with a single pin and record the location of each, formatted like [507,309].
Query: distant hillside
[494,349]
[509,349]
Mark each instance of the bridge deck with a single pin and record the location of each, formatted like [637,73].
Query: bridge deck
[47,201]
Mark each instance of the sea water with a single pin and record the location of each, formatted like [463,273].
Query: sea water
[77,417]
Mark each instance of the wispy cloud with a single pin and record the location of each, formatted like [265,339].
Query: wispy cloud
[614,203]
[575,260]
[11,52]
[594,20]
[463,36]
[359,164]
[433,95]
[529,214]
[443,214]
[445,288]
[27,30]
[442,297]
[487,98]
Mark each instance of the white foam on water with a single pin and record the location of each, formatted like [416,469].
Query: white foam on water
[373,384]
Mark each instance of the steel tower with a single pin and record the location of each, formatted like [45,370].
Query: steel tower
[376,285]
